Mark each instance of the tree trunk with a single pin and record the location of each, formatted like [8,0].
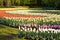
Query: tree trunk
[8,3]
[1,4]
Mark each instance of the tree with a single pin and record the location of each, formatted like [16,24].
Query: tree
[1,3]
[8,3]
[13,2]
[21,2]
[17,2]
[57,4]
[39,2]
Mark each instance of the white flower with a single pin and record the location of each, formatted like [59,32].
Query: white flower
[19,28]
[34,30]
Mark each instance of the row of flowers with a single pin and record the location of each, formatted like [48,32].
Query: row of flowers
[45,20]
[38,28]
[39,35]
[37,21]
[33,11]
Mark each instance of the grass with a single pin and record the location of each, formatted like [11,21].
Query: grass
[7,30]
[21,8]
[6,33]
[18,38]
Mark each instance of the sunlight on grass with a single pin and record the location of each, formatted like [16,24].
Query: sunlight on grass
[23,8]
[18,38]
[8,30]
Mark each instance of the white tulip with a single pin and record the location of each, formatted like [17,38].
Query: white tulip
[22,28]
[30,29]
[34,30]
[19,28]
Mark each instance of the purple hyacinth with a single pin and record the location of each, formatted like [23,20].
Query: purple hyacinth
[56,27]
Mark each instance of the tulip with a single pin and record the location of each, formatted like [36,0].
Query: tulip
[34,30]
[19,27]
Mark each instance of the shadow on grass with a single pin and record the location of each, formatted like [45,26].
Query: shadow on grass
[8,37]
[4,37]
[7,33]
[2,26]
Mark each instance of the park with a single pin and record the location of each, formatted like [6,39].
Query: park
[29,19]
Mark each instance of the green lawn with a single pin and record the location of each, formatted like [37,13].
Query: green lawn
[18,8]
[8,33]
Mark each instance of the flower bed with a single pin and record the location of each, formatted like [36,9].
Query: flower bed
[42,27]
[50,19]
[35,21]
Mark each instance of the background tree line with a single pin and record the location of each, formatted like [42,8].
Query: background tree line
[41,3]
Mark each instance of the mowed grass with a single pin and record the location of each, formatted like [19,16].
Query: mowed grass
[19,8]
[7,33]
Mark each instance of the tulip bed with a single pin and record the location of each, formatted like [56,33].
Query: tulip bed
[44,26]
[49,19]
[33,11]
[34,18]
[39,32]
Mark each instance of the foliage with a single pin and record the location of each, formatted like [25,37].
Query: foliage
[41,3]
[40,35]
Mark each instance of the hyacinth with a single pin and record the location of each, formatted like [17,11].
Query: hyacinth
[28,25]
[38,27]
[55,26]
